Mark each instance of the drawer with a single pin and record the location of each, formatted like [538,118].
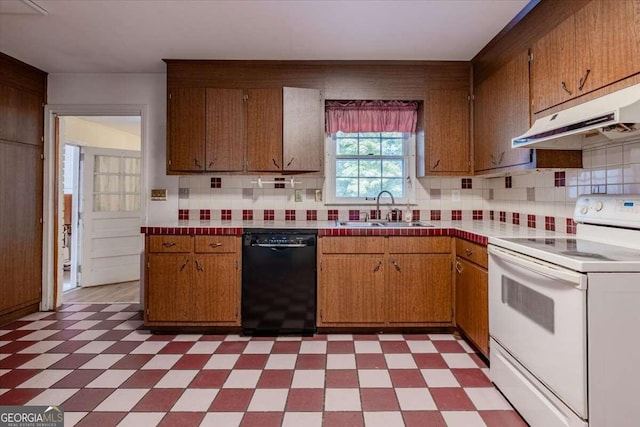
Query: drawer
[217,244]
[472,251]
[419,245]
[352,245]
[170,244]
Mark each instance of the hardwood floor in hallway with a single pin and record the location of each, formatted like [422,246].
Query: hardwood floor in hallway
[128,292]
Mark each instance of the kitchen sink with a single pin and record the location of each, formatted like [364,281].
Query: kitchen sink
[387,224]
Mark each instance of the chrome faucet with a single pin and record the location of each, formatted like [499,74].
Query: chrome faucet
[393,202]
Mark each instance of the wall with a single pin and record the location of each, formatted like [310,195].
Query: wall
[128,89]
[85,133]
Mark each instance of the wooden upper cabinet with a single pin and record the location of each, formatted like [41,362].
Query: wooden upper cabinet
[264,130]
[447,132]
[225,130]
[21,117]
[553,68]
[186,130]
[607,42]
[501,112]
[302,131]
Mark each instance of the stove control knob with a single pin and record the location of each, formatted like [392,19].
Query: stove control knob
[584,210]
[599,206]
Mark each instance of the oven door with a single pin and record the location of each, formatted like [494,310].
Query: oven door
[537,312]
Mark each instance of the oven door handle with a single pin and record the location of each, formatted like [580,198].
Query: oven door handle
[577,280]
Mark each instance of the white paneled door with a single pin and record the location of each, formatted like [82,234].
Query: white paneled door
[109,216]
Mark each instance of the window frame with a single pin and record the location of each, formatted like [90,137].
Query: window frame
[409,142]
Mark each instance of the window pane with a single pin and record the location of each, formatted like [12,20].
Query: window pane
[131,202]
[392,147]
[347,147]
[346,187]
[370,168]
[106,202]
[346,168]
[369,135]
[394,185]
[107,164]
[131,165]
[369,147]
[392,168]
[341,134]
[132,184]
[392,135]
[106,183]
[369,187]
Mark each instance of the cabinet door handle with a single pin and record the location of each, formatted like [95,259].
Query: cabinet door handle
[377,268]
[291,161]
[436,164]
[168,244]
[215,245]
[493,159]
[199,266]
[275,163]
[565,88]
[211,162]
[184,264]
[583,80]
[468,251]
[501,158]
[459,267]
[197,163]
[395,264]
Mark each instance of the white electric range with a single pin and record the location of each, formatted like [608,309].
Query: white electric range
[564,316]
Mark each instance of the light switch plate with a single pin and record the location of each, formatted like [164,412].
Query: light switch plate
[159,194]
[298,195]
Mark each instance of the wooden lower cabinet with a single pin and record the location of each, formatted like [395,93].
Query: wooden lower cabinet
[192,288]
[472,309]
[388,282]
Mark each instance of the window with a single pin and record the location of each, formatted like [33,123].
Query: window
[116,184]
[363,164]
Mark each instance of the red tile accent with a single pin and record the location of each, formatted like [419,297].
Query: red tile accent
[15,360]
[290,215]
[471,377]
[342,378]
[508,183]
[100,418]
[182,419]
[78,378]
[144,378]
[503,216]
[158,400]
[183,214]
[343,419]
[370,361]
[448,347]
[312,215]
[262,419]
[332,215]
[231,400]
[451,399]
[305,399]
[132,361]
[340,347]
[354,215]
[86,399]
[247,214]
[205,214]
[429,361]
[456,215]
[311,361]
[424,418]
[374,214]
[394,347]
[275,378]
[492,215]
[435,215]
[467,183]
[549,223]
[515,218]
[379,399]
[216,182]
[571,226]
[210,378]
[268,215]
[279,184]
[231,347]
[285,347]
[406,378]
[477,215]
[531,221]
[16,377]
[251,361]
[192,361]
[415,215]
[559,179]
[225,215]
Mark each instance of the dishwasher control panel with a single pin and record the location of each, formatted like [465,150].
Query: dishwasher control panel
[279,239]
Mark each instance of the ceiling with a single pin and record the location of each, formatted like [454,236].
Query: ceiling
[112,36]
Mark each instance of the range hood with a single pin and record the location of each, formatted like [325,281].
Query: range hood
[610,117]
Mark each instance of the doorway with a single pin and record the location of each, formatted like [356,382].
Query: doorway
[99,240]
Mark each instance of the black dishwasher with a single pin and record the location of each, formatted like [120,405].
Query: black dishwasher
[278,282]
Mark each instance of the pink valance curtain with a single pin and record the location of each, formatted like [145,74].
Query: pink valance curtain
[371,116]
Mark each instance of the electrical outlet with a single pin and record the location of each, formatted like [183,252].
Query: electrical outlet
[298,195]
[318,195]
[455,195]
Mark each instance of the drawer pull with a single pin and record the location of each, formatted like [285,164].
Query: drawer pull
[377,268]
[184,264]
[168,244]
[459,267]
[395,264]
[215,245]
[199,266]
[468,251]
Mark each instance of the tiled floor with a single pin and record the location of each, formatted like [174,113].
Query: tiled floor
[95,361]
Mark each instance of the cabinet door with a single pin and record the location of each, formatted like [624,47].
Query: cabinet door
[501,112]
[264,130]
[302,133]
[225,130]
[607,43]
[419,288]
[447,131]
[21,117]
[472,304]
[169,278]
[186,130]
[553,71]
[352,289]
[216,290]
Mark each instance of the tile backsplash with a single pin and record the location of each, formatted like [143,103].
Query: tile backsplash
[545,198]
